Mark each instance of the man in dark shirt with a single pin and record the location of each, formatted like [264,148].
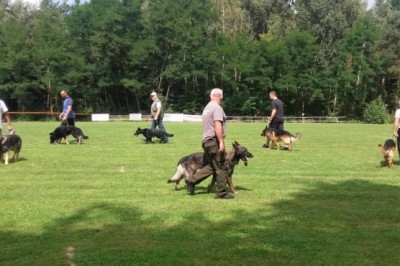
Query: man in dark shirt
[276,118]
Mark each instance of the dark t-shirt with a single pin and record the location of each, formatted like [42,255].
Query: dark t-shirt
[277,104]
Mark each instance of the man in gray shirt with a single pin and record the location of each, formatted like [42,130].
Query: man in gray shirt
[214,130]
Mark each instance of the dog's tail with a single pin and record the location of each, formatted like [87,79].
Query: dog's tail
[85,137]
[295,138]
[169,134]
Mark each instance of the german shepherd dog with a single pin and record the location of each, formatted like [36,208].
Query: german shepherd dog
[277,136]
[149,133]
[388,150]
[62,132]
[190,164]
[9,143]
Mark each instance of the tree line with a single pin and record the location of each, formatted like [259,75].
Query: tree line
[322,57]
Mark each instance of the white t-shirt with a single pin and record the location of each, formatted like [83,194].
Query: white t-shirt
[397,114]
[3,109]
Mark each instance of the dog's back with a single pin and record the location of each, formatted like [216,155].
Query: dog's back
[388,151]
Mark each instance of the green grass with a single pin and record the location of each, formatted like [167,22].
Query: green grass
[106,202]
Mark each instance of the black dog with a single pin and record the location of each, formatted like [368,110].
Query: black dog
[10,143]
[149,133]
[62,132]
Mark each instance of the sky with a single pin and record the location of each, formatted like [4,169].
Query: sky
[36,2]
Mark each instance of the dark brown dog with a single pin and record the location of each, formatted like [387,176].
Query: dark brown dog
[388,150]
[188,165]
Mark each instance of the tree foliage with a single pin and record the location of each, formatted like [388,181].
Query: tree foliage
[323,57]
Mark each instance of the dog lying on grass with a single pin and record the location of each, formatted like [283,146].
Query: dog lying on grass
[190,164]
[388,150]
[149,133]
[62,132]
[279,136]
[9,143]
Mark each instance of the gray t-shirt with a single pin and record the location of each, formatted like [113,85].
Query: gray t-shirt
[211,113]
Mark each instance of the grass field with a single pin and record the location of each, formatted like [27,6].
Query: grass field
[106,202]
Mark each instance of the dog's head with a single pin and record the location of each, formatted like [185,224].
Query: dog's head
[52,137]
[138,132]
[388,151]
[241,152]
[264,131]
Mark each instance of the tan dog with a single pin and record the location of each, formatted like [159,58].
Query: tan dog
[279,136]
[388,150]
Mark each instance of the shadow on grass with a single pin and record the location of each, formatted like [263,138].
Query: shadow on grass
[355,222]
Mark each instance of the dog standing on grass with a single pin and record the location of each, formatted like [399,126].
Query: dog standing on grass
[188,165]
[150,133]
[388,150]
[62,132]
[11,142]
[279,136]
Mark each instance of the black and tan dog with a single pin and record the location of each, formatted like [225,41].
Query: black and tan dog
[388,150]
[190,164]
[62,132]
[279,136]
[9,143]
[149,133]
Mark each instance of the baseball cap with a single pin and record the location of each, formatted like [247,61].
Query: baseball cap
[153,93]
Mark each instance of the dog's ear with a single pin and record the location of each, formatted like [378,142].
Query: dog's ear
[235,144]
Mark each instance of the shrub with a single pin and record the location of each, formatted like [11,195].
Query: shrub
[375,112]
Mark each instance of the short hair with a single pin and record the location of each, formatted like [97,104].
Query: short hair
[217,92]
[398,103]
[273,93]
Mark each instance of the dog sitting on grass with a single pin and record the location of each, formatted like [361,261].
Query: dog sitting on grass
[388,151]
[149,133]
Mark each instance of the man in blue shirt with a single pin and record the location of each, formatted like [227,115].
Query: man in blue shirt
[67,116]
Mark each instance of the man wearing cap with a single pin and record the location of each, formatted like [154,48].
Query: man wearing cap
[157,114]
[4,110]
[214,130]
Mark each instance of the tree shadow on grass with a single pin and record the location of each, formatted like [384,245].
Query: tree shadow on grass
[355,222]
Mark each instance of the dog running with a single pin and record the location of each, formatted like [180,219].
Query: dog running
[279,136]
[149,133]
[190,164]
[9,143]
[388,150]
[62,132]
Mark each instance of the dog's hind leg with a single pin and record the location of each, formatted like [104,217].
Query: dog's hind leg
[6,157]
[180,172]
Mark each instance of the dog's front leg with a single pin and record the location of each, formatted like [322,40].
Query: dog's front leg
[231,187]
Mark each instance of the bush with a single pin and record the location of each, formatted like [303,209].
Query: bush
[375,112]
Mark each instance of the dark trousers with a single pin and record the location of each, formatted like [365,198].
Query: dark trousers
[216,165]
[69,122]
[159,123]
[276,125]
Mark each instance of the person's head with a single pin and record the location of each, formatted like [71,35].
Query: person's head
[153,95]
[398,104]
[64,93]
[273,95]
[216,94]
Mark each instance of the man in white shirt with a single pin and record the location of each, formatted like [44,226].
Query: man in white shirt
[4,110]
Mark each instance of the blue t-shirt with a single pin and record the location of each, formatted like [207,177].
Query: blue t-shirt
[67,102]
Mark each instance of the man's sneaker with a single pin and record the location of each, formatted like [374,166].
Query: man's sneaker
[226,196]
[190,187]
[164,141]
